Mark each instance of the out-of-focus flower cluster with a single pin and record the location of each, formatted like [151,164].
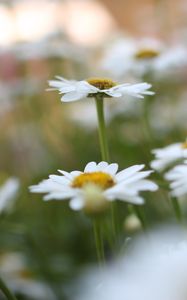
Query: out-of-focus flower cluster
[153,267]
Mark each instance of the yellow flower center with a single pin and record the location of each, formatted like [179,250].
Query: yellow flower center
[101,83]
[146,53]
[184,145]
[103,180]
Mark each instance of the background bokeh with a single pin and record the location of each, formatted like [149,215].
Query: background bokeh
[44,245]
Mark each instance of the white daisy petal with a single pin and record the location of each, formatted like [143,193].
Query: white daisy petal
[59,195]
[128,172]
[134,199]
[111,169]
[137,177]
[60,179]
[73,96]
[66,89]
[102,166]
[90,167]
[66,174]
[145,185]
[77,203]
[75,173]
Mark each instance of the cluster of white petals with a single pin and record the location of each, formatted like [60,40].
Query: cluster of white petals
[164,157]
[178,178]
[122,58]
[127,184]
[72,90]
[156,269]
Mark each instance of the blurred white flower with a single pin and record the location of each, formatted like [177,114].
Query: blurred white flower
[76,90]
[168,155]
[139,57]
[154,268]
[178,178]
[8,194]
[99,179]
[20,279]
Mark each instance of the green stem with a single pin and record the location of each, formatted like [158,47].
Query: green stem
[99,242]
[177,209]
[146,120]
[99,100]
[114,219]
[6,291]
[101,127]
[140,214]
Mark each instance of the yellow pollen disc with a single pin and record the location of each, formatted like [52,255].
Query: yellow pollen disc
[103,180]
[101,83]
[146,54]
[184,145]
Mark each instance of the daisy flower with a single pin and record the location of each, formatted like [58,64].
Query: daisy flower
[72,90]
[168,155]
[129,56]
[8,193]
[17,274]
[178,178]
[149,270]
[99,184]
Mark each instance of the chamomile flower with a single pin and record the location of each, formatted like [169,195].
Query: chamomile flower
[168,155]
[178,178]
[149,270]
[72,90]
[128,56]
[8,193]
[15,271]
[99,184]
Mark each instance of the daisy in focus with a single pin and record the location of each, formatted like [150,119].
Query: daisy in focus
[164,157]
[178,178]
[72,90]
[8,194]
[93,189]
[133,57]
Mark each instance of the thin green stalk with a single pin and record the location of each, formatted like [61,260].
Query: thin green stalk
[114,220]
[177,209]
[99,242]
[101,127]
[140,214]
[6,291]
[146,125]
[104,145]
